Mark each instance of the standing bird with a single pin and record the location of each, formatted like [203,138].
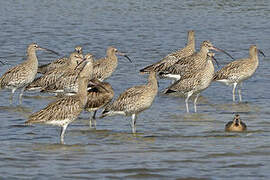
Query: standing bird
[172,58]
[22,74]
[104,67]
[194,82]
[52,76]
[237,71]
[236,125]
[68,82]
[97,98]
[65,110]
[134,100]
[58,63]
[190,63]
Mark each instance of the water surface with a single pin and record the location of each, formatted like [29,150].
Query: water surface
[170,144]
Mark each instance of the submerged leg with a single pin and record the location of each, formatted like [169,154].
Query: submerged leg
[93,118]
[133,123]
[11,96]
[188,96]
[63,130]
[21,94]
[90,120]
[234,86]
[195,102]
[239,92]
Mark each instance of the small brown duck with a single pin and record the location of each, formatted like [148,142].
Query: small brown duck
[236,125]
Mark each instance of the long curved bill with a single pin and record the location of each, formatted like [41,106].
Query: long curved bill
[122,54]
[220,50]
[40,48]
[215,61]
[92,82]
[79,64]
[260,51]
[95,83]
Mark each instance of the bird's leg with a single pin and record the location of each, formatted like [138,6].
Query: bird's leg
[90,120]
[11,95]
[63,130]
[21,94]
[94,119]
[234,86]
[187,104]
[239,92]
[133,124]
[195,102]
[188,96]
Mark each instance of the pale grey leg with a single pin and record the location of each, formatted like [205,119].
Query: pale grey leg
[133,124]
[90,120]
[21,94]
[188,96]
[93,118]
[239,92]
[63,133]
[234,86]
[195,102]
[11,95]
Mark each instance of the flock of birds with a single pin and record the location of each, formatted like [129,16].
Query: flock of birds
[79,81]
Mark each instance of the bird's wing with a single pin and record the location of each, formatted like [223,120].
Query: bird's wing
[229,70]
[64,108]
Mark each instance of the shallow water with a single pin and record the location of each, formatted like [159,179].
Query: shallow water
[170,144]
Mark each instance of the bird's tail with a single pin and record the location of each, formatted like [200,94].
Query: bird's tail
[34,119]
[109,110]
[106,112]
[29,122]
[147,69]
[168,91]
[163,74]
[34,85]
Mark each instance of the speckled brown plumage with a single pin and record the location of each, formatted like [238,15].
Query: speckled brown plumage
[172,58]
[57,63]
[64,108]
[68,82]
[194,82]
[52,76]
[134,100]
[98,97]
[237,71]
[63,111]
[104,67]
[188,64]
[22,74]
